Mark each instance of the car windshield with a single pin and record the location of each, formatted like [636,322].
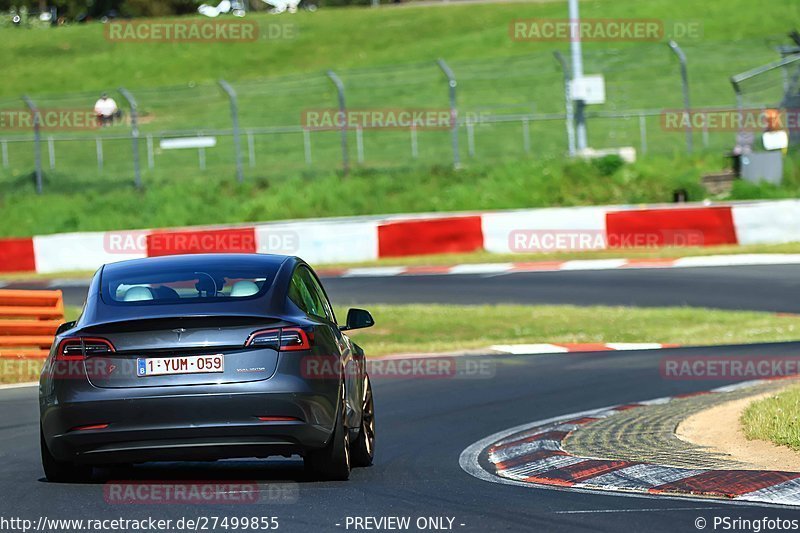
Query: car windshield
[147,285]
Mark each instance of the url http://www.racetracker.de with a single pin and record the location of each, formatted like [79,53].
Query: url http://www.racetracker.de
[198,523]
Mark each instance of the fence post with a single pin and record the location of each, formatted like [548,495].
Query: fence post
[643,133]
[137,171]
[37,140]
[237,141]
[343,111]
[98,141]
[451,83]
[307,146]
[568,99]
[151,160]
[686,101]
[526,135]
[360,144]
[51,150]
[470,138]
[251,148]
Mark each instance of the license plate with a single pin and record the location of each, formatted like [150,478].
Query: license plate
[192,364]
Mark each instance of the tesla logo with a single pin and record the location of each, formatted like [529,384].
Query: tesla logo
[179,332]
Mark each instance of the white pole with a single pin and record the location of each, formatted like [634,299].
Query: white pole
[577,71]
[360,143]
[151,160]
[526,135]
[51,149]
[99,142]
[251,149]
[470,138]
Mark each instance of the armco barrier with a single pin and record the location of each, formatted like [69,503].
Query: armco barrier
[28,322]
[703,226]
[430,236]
[363,239]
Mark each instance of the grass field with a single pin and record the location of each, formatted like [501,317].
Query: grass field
[521,183]
[444,328]
[775,419]
[386,61]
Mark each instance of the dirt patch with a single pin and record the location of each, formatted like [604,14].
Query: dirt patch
[719,429]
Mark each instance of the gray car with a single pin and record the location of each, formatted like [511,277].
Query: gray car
[206,357]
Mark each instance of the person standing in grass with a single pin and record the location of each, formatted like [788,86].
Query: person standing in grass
[105,109]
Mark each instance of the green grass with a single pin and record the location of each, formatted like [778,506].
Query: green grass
[446,328]
[442,328]
[775,419]
[359,37]
[524,183]
[386,58]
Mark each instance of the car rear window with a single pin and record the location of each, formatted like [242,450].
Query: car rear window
[153,286]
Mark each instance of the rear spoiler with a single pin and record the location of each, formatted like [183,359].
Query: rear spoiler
[179,321]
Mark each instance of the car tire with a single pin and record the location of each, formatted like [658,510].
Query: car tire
[362,451]
[62,471]
[332,463]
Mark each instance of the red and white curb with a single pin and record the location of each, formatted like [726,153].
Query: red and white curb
[369,238]
[564,266]
[536,349]
[531,455]
[499,269]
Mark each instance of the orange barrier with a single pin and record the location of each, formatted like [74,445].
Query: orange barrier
[28,322]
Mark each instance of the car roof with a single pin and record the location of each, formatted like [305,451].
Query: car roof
[198,260]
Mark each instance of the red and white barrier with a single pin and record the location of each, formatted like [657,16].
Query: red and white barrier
[322,241]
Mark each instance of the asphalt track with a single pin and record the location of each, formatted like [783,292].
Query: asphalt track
[758,288]
[425,424]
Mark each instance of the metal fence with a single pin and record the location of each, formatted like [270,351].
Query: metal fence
[512,107]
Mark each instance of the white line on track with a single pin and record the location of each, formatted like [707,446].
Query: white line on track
[653,510]
[19,385]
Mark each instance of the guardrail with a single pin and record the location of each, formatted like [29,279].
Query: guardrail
[28,322]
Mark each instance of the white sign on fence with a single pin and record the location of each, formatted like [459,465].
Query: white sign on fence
[590,89]
[188,142]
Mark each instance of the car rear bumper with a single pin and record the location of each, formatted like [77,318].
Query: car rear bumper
[173,423]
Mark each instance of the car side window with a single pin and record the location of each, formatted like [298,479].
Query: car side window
[298,293]
[306,293]
[318,295]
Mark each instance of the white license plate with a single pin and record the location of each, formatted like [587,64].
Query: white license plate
[191,364]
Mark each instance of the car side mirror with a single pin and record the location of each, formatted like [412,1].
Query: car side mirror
[358,319]
[66,326]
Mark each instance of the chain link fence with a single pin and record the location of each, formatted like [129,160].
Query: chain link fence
[504,108]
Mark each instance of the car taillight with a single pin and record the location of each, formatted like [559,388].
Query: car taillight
[283,339]
[78,348]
